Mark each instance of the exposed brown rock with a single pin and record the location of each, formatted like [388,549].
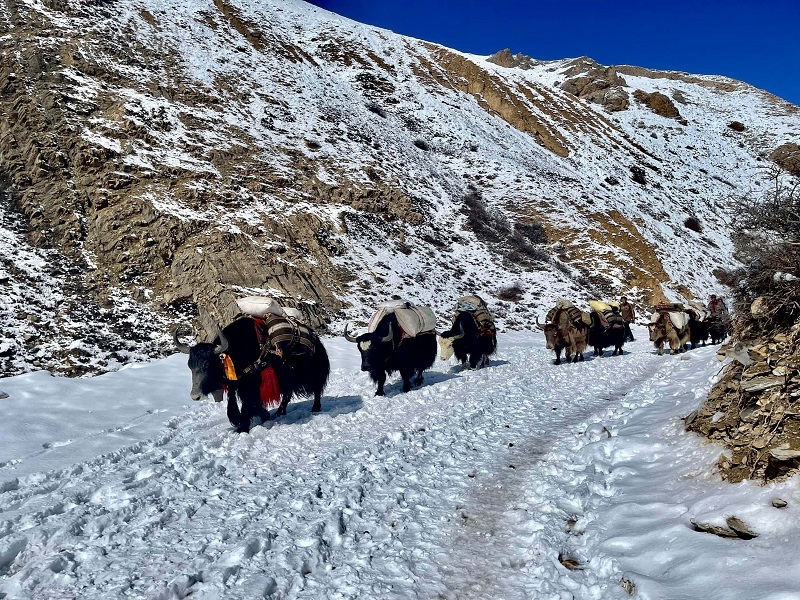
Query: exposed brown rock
[601,85]
[787,156]
[752,409]
[658,103]
[504,58]
[455,71]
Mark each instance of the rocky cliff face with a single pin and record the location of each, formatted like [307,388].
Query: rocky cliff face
[159,160]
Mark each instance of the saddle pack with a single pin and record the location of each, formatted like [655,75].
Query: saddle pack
[578,317]
[477,309]
[283,335]
[413,320]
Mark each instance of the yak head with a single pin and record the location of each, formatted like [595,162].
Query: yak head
[446,343]
[659,326]
[206,366]
[551,334]
[376,348]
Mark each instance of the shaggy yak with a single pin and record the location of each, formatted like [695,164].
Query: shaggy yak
[663,329]
[565,334]
[698,331]
[717,330]
[607,330]
[387,350]
[469,340]
[257,362]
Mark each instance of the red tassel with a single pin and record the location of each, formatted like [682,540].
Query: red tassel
[270,388]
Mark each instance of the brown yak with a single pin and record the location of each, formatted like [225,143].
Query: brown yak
[671,327]
[565,333]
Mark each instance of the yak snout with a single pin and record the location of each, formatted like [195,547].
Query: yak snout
[445,348]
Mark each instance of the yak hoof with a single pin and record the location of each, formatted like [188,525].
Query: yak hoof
[380,393]
[316,408]
[281,412]
[419,380]
[243,427]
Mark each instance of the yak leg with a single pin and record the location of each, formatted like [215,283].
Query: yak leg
[419,378]
[558,355]
[284,403]
[474,360]
[407,374]
[252,407]
[234,416]
[380,377]
[317,406]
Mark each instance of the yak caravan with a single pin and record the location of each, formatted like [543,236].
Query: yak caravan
[267,354]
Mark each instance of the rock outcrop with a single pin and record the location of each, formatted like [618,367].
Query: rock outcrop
[595,83]
[658,103]
[787,156]
[754,410]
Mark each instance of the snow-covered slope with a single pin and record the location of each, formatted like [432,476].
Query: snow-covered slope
[480,484]
[181,154]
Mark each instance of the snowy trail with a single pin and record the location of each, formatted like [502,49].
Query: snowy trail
[459,489]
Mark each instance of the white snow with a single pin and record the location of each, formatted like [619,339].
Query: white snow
[468,487]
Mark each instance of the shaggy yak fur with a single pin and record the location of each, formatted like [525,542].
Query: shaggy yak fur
[385,351]
[717,331]
[662,330]
[300,373]
[698,332]
[563,334]
[467,342]
[601,337]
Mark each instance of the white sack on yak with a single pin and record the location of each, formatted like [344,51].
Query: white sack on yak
[260,306]
[413,320]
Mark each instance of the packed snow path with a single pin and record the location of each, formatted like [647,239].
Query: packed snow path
[468,487]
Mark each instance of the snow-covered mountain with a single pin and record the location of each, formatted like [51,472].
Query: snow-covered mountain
[160,158]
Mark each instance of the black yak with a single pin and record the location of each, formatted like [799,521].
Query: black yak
[387,349]
[717,330]
[246,357]
[469,339]
[607,329]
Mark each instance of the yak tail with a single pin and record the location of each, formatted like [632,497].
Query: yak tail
[270,388]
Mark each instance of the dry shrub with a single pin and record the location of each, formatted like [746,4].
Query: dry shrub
[519,243]
[768,243]
[489,225]
[511,293]
[737,126]
[693,223]
[422,145]
[638,175]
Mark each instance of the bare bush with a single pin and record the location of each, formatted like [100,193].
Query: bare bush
[422,145]
[769,244]
[489,225]
[376,108]
[532,231]
[694,224]
[511,293]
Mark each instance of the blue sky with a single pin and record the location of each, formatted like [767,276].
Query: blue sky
[756,42]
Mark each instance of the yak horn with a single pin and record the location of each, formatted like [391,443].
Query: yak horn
[183,348]
[538,324]
[347,336]
[461,335]
[223,343]
[389,337]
